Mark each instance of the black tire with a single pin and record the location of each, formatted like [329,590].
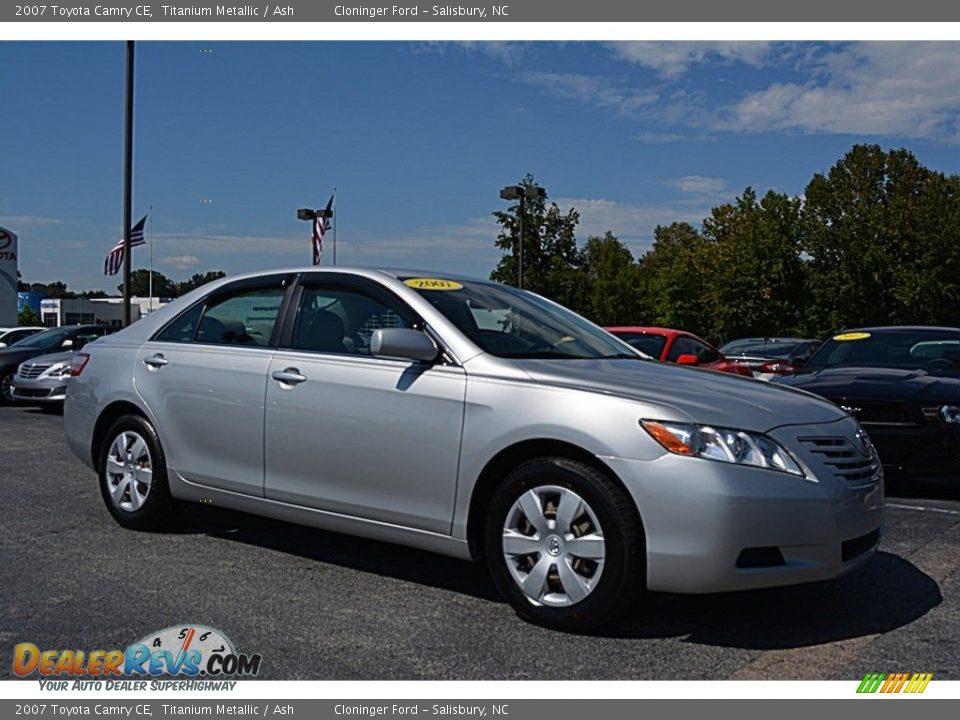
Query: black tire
[6,379]
[159,505]
[623,577]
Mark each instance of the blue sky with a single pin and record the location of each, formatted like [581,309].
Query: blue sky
[231,138]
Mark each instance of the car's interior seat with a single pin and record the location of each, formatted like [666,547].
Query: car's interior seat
[324,332]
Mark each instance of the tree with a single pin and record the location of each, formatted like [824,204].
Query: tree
[756,281]
[140,284]
[197,280]
[551,260]
[27,317]
[611,278]
[671,276]
[881,232]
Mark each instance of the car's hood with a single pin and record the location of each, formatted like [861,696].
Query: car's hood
[703,396]
[869,383]
[54,358]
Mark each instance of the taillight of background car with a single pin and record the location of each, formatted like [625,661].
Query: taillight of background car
[78,363]
[778,367]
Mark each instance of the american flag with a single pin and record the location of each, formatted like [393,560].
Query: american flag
[114,261]
[320,227]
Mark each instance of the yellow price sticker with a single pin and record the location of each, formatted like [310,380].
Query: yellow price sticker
[432,284]
[851,336]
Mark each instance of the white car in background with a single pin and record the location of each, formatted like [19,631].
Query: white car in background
[10,335]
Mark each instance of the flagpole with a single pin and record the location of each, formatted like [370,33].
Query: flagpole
[151,258]
[334,224]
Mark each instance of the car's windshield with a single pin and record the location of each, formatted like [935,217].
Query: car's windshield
[647,343]
[511,323]
[44,340]
[927,348]
[762,348]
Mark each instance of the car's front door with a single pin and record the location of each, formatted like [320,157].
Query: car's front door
[204,376]
[354,434]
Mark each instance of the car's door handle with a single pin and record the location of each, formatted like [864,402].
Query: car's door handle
[289,376]
[155,361]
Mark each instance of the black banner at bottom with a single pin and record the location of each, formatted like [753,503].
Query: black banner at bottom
[562,709]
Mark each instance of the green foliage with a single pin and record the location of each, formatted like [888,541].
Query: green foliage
[875,240]
[197,280]
[27,317]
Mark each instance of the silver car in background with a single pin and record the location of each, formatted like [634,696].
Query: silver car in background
[43,380]
[472,419]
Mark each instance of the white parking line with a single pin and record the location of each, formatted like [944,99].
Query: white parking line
[923,508]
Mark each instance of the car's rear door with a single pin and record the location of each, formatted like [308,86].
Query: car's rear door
[204,376]
[354,434]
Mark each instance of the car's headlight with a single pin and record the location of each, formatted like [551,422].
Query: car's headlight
[722,444]
[59,370]
[950,414]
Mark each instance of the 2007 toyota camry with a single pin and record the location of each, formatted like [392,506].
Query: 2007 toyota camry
[476,420]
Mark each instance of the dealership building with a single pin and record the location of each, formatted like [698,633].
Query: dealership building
[55,312]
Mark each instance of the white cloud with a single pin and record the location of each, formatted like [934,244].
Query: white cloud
[672,59]
[181,262]
[699,184]
[892,89]
[506,52]
[594,91]
[632,223]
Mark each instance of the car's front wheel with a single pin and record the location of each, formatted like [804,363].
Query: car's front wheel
[564,544]
[133,475]
[6,388]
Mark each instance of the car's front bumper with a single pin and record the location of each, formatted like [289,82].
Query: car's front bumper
[40,390]
[713,527]
[930,450]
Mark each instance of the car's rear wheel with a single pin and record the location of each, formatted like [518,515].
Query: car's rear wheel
[6,389]
[564,544]
[133,475]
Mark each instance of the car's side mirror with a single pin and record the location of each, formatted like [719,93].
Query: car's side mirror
[403,343]
[66,344]
[688,359]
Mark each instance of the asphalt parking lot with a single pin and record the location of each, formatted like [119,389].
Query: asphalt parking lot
[318,605]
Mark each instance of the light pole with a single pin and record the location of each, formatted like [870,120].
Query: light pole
[310,215]
[521,193]
[127,182]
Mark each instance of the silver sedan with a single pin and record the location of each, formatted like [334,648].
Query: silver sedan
[472,419]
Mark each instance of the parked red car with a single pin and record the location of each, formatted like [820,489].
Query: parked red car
[678,346]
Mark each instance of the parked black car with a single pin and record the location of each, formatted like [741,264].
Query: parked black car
[67,337]
[903,385]
[772,356]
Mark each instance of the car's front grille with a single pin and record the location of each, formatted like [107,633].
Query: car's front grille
[846,460]
[890,414]
[29,372]
[31,393]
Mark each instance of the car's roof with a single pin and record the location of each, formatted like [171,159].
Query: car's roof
[769,340]
[645,330]
[358,270]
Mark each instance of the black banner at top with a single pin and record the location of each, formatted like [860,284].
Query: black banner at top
[482,11]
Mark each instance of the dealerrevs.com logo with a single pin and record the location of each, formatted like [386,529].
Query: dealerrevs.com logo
[200,657]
